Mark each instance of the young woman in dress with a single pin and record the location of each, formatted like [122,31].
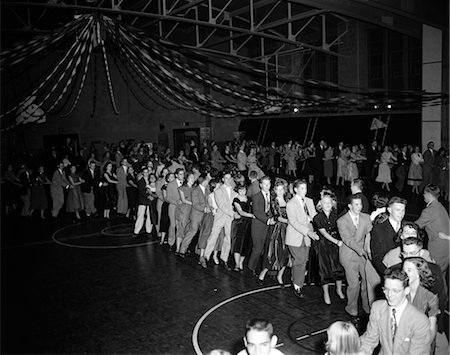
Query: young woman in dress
[241,238]
[109,182]
[327,247]
[276,255]
[415,170]
[384,170]
[183,210]
[290,155]
[252,163]
[342,169]
[151,192]
[164,222]
[328,164]
[421,279]
[132,192]
[160,182]
[310,154]
[352,165]
[74,198]
[229,157]
[39,199]
[216,158]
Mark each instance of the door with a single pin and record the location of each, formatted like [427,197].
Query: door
[182,139]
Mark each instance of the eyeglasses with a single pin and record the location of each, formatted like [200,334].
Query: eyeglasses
[394,291]
[410,254]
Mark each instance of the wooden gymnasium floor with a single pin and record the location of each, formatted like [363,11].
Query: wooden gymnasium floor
[88,288]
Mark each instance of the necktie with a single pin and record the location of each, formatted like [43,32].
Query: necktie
[304,207]
[356,221]
[267,202]
[393,324]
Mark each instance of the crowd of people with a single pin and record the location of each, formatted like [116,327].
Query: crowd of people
[248,207]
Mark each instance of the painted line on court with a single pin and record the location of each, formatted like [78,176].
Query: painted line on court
[97,247]
[104,231]
[306,336]
[212,309]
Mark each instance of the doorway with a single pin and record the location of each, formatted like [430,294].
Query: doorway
[182,139]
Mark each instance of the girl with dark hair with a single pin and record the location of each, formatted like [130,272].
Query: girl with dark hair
[164,221]
[276,255]
[108,189]
[421,279]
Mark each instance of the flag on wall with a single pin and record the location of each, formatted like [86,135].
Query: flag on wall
[377,124]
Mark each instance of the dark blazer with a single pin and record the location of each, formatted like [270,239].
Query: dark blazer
[259,223]
[195,158]
[142,193]
[199,202]
[412,336]
[90,183]
[25,181]
[381,241]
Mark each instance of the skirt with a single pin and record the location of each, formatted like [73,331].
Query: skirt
[165,222]
[241,238]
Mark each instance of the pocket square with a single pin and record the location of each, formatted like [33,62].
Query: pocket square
[407,339]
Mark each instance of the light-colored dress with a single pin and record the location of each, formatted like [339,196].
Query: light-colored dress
[342,164]
[252,164]
[291,160]
[415,170]
[384,171]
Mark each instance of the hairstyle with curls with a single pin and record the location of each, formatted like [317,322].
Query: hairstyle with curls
[327,193]
[395,274]
[412,225]
[343,339]
[427,279]
[380,200]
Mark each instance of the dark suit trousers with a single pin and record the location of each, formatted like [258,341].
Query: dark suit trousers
[259,235]
[190,231]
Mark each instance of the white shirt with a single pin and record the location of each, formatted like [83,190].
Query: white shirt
[272,352]
[355,218]
[179,183]
[395,225]
[398,311]
[202,188]
[228,188]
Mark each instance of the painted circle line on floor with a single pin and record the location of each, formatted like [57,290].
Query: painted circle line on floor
[124,246]
[217,306]
[109,231]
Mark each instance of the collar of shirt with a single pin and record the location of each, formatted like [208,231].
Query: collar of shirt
[395,225]
[398,310]
[202,188]
[179,183]
[353,217]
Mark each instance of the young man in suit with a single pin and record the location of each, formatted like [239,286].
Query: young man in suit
[383,234]
[260,224]
[254,188]
[401,172]
[59,183]
[357,187]
[198,210]
[90,183]
[434,218]
[121,186]
[395,324]
[299,232]
[354,227]
[144,202]
[223,196]
[173,198]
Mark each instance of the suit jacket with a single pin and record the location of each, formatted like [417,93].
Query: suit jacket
[253,189]
[434,218]
[121,177]
[59,182]
[199,202]
[412,336]
[428,159]
[381,241]
[352,237]
[159,184]
[172,193]
[259,223]
[298,222]
[224,203]
[90,183]
[142,193]
[25,181]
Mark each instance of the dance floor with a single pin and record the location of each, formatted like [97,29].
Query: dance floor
[87,287]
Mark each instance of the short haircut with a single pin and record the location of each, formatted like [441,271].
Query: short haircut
[380,200]
[260,325]
[395,274]
[264,178]
[432,189]
[354,197]
[253,174]
[178,171]
[396,199]
[213,183]
[412,241]
[359,183]
[202,177]
[299,182]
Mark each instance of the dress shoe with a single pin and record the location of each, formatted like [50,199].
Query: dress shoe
[202,262]
[298,293]
[259,281]
[226,266]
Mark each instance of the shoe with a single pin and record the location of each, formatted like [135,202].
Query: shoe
[216,261]
[353,314]
[226,266]
[202,262]
[259,281]
[326,299]
[181,255]
[298,293]
[340,295]
[236,269]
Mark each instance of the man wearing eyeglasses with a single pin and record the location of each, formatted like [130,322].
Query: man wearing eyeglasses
[394,323]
